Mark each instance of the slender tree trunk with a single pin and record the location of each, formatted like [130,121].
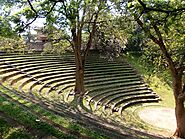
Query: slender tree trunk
[79,76]
[179,108]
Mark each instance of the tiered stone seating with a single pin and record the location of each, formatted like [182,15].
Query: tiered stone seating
[111,86]
[115,86]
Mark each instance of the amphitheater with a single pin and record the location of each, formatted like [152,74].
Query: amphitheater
[48,81]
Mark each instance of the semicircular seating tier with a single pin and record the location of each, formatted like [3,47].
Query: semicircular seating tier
[110,85]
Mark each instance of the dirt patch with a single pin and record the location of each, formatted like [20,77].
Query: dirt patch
[159,117]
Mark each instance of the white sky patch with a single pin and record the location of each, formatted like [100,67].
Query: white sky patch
[39,22]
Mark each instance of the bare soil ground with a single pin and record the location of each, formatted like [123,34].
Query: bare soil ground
[161,117]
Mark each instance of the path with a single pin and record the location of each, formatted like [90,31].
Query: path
[159,117]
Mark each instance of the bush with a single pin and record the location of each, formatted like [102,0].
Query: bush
[11,45]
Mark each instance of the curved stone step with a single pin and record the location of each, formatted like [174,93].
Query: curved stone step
[64,83]
[111,89]
[130,99]
[96,89]
[32,71]
[22,66]
[7,70]
[108,70]
[108,100]
[126,82]
[98,79]
[107,67]
[136,102]
[105,94]
[59,82]
[91,77]
[110,84]
[57,76]
[10,75]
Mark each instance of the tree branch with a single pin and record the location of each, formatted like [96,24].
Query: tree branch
[148,9]
[154,39]
[92,33]
[51,9]
[31,6]
[142,4]
[159,42]
[164,50]
[30,22]
[36,14]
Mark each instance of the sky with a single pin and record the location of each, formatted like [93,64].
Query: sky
[39,22]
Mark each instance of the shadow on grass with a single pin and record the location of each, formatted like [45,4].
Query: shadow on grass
[96,126]
[111,129]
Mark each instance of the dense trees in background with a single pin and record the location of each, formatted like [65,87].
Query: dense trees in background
[155,27]
[9,38]
[10,45]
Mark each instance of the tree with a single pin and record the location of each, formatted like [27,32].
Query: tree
[79,19]
[10,45]
[164,23]
[57,44]
[111,36]
[6,29]
[10,41]
[136,42]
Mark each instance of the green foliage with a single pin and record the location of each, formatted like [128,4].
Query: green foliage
[30,120]
[6,29]
[170,22]
[26,118]
[55,48]
[4,127]
[159,80]
[12,45]
[136,41]
[7,131]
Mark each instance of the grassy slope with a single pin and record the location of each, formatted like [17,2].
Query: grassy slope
[26,121]
[157,83]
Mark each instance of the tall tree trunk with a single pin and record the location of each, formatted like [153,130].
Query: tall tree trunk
[79,76]
[180,119]
[179,107]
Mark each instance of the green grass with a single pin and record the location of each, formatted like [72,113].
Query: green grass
[8,131]
[30,120]
[157,81]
